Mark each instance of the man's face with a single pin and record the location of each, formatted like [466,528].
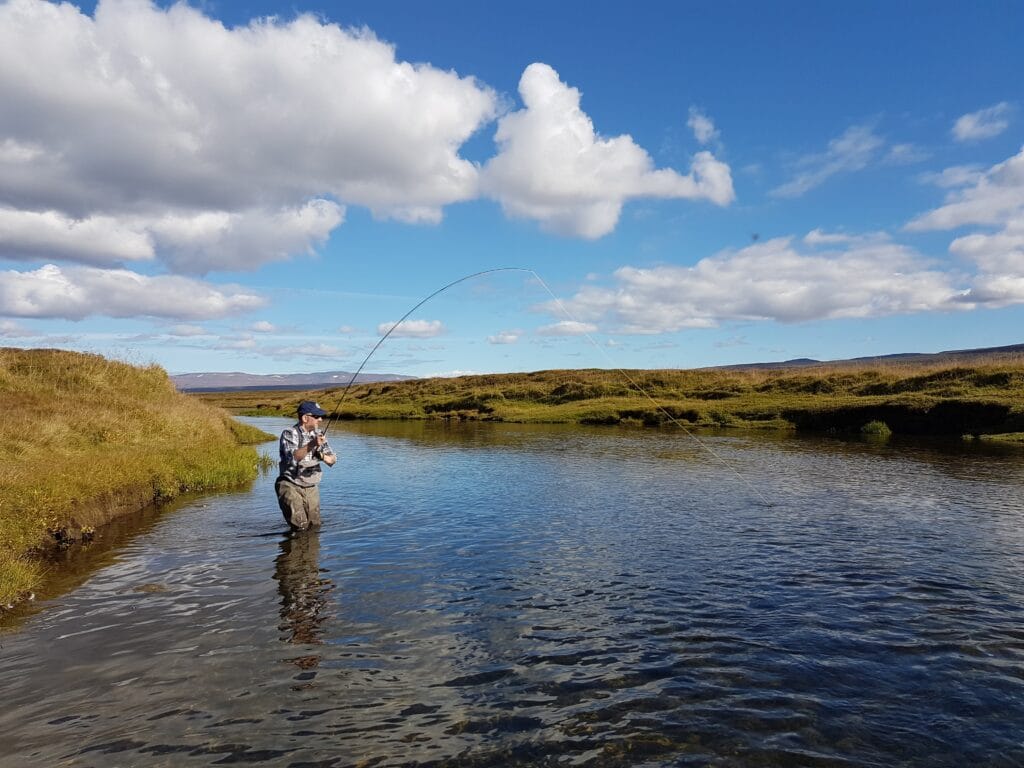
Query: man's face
[310,422]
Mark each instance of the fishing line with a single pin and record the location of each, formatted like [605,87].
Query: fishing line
[406,315]
[564,310]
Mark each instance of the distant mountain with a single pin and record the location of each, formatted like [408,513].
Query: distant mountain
[900,357]
[227,382]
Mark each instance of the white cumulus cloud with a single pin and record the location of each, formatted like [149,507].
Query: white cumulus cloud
[97,240]
[774,280]
[243,240]
[77,292]
[413,329]
[992,197]
[999,257]
[818,237]
[139,112]
[554,168]
[983,124]
[567,328]
[505,337]
[992,201]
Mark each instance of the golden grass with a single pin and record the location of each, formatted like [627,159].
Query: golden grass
[83,438]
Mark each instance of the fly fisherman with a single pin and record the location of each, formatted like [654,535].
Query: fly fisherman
[303,447]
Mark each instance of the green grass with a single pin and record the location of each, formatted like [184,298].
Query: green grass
[876,429]
[1008,437]
[83,439]
[975,397]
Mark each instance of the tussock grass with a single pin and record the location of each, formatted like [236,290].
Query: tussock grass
[1007,437]
[83,439]
[962,396]
[877,429]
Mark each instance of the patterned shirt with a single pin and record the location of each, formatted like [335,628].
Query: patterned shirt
[307,472]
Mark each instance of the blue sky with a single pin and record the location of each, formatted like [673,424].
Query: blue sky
[266,188]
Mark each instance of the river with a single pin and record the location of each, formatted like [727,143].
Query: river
[500,595]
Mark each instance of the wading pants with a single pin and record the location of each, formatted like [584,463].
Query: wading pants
[300,506]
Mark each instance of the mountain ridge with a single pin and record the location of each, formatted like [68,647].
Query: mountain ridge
[897,357]
[236,380]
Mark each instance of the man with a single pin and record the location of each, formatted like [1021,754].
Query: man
[302,450]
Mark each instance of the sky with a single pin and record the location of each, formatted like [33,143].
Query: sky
[269,188]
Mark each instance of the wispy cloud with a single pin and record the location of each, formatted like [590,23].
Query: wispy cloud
[567,328]
[983,124]
[12,330]
[703,127]
[954,176]
[732,341]
[852,151]
[186,330]
[324,351]
[905,154]
[246,342]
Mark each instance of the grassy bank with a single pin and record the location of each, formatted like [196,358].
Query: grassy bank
[986,397]
[84,439]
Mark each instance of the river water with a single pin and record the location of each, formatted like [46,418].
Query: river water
[498,595]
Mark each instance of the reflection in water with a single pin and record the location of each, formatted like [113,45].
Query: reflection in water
[522,596]
[304,593]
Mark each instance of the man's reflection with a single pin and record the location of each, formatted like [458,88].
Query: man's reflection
[304,593]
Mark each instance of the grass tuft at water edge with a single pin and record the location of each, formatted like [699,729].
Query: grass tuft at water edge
[84,439]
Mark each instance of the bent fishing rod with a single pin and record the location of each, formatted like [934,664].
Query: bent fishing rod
[405,317]
[571,317]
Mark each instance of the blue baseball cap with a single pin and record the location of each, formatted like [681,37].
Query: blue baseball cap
[313,409]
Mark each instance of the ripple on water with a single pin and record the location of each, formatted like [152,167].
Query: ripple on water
[495,595]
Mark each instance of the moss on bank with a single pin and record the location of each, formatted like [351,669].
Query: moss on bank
[84,439]
[976,397]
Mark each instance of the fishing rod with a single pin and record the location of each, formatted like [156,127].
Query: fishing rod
[571,317]
[405,316]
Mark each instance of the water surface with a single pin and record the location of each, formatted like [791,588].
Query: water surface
[512,595]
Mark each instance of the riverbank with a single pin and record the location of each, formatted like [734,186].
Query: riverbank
[969,398]
[85,440]
[510,594]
